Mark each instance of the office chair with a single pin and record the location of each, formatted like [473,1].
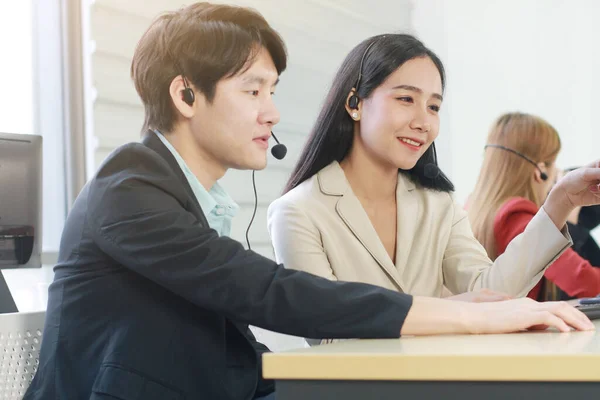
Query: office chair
[20,341]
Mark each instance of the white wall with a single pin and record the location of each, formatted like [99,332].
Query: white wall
[16,76]
[536,56]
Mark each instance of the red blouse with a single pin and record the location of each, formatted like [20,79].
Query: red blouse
[571,273]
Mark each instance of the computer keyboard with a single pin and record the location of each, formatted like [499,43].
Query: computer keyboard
[591,310]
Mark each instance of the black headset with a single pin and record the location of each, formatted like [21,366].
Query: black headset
[543,175]
[354,99]
[187,93]
[431,169]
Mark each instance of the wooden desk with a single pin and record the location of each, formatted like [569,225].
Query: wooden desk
[529,365]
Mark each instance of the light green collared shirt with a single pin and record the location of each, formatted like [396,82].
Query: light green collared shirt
[219,208]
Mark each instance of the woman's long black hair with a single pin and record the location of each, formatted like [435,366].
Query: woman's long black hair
[333,134]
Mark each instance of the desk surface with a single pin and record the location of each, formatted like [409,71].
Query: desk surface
[526,356]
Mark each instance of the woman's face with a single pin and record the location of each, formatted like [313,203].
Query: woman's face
[400,119]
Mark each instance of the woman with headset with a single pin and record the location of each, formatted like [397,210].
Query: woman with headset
[517,174]
[366,201]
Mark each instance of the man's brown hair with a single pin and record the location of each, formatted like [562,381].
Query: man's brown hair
[203,42]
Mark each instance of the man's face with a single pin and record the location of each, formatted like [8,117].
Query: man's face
[235,127]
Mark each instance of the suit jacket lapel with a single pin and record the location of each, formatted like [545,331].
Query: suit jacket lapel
[333,182]
[153,142]
[408,209]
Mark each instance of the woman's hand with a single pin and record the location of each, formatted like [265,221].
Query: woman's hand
[578,188]
[431,316]
[527,314]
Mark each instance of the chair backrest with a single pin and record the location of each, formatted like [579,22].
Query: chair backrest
[20,341]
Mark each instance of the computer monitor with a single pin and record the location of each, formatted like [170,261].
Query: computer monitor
[20,201]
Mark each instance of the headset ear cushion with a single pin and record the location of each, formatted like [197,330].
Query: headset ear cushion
[353,102]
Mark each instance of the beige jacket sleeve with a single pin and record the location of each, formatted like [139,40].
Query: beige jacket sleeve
[296,240]
[466,266]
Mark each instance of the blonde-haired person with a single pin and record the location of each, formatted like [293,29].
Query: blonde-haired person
[517,174]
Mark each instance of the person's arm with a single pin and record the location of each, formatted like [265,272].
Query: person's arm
[137,218]
[467,266]
[429,316]
[570,272]
[296,240]
[574,275]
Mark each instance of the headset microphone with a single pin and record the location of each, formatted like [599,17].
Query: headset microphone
[279,150]
[431,171]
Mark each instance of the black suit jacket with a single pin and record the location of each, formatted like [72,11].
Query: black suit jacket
[149,303]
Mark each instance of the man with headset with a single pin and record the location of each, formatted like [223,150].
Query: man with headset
[151,299]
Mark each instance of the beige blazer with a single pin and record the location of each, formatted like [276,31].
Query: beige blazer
[321,227]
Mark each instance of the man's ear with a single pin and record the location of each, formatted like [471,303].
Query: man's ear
[181,94]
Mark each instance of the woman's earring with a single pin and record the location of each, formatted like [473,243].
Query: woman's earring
[355,115]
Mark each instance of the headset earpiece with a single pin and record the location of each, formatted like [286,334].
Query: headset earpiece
[188,96]
[187,93]
[543,176]
[353,101]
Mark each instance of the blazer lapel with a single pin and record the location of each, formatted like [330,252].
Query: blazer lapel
[406,214]
[153,142]
[333,182]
